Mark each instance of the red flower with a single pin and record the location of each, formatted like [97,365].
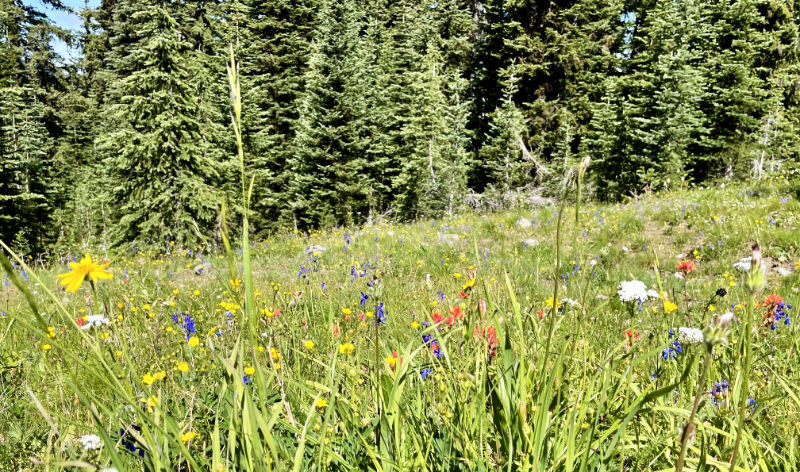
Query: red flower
[631,335]
[455,314]
[437,318]
[770,303]
[684,267]
[540,313]
[490,335]
[463,294]
[80,321]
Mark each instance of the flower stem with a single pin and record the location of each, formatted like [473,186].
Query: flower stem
[689,429]
[745,380]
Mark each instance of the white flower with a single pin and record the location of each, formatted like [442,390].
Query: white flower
[635,291]
[690,335]
[744,265]
[678,275]
[725,319]
[109,469]
[570,301]
[90,442]
[94,320]
[601,297]
[593,262]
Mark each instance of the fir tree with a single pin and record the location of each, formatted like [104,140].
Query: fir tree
[163,179]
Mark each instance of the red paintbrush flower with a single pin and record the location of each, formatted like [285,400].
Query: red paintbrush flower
[684,267]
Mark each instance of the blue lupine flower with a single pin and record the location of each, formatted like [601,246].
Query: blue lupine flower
[324,287]
[188,326]
[720,389]
[380,314]
[424,373]
[440,294]
[363,300]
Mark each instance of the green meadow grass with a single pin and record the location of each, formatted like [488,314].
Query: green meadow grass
[593,400]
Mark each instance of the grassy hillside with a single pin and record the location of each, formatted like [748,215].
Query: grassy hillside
[472,365]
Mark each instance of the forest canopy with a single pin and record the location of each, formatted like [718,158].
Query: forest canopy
[361,109]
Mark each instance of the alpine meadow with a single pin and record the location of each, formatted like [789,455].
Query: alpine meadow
[399,235]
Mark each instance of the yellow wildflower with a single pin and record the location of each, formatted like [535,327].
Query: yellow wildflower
[183,367]
[309,344]
[193,341]
[669,307]
[86,269]
[346,348]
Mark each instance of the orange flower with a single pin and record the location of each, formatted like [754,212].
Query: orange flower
[684,267]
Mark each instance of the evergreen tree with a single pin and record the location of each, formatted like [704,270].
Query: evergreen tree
[162,175]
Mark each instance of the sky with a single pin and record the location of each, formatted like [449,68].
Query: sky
[65,20]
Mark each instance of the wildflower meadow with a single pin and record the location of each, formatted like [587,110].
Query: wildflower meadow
[652,334]
[655,334]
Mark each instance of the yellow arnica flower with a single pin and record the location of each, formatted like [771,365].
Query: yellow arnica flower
[346,348]
[183,367]
[669,307]
[470,283]
[86,269]
[188,436]
[249,370]
[193,341]
[321,403]
[309,344]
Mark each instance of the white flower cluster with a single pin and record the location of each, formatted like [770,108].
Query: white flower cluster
[90,442]
[725,319]
[94,320]
[635,291]
[744,265]
[690,335]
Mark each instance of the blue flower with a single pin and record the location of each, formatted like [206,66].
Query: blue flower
[424,373]
[720,389]
[363,300]
[380,314]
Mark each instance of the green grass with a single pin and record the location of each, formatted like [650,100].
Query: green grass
[587,404]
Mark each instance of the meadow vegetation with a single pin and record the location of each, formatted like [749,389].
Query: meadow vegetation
[482,342]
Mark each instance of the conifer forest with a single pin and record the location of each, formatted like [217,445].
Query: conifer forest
[399,235]
[354,111]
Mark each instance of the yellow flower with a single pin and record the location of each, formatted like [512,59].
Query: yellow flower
[391,360]
[346,311]
[550,303]
[160,375]
[669,307]
[309,344]
[457,275]
[235,283]
[276,356]
[193,341]
[46,347]
[188,436]
[414,325]
[469,284]
[249,370]
[346,348]
[711,308]
[183,367]
[148,379]
[86,269]
[321,402]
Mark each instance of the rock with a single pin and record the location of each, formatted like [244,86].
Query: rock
[448,238]
[315,249]
[523,223]
[202,269]
[526,243]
